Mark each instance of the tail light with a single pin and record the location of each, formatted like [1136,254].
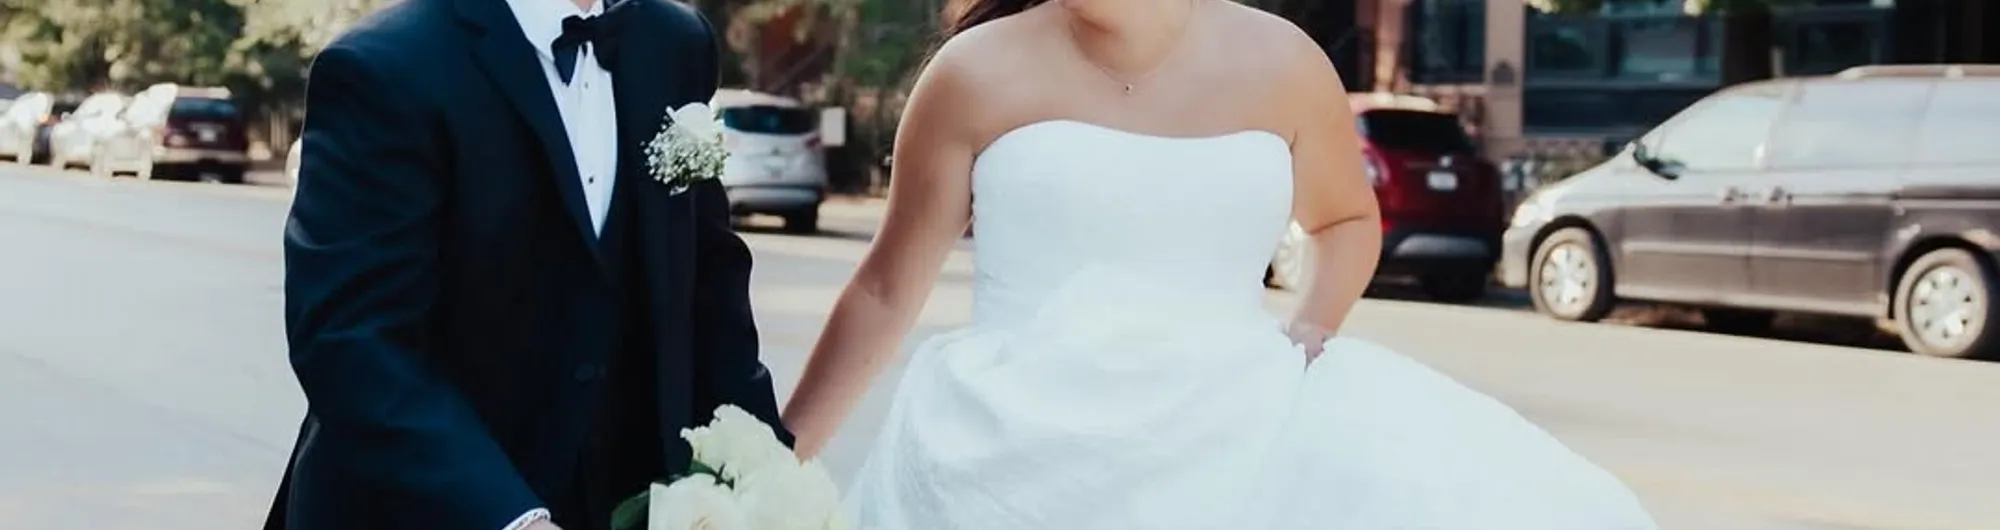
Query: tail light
[1374,168]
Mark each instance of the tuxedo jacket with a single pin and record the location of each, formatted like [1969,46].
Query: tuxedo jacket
[456,322]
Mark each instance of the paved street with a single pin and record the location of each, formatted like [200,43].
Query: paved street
[143,382]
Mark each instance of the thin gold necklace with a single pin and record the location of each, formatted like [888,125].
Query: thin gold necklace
[1133,84]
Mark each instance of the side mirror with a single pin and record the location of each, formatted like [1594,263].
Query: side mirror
[1658,167]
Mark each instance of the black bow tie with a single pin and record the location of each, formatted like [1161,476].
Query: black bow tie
[578,31]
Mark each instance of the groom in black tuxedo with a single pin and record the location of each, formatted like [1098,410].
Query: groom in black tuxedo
[500,320]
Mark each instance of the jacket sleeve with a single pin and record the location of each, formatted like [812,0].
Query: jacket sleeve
[361,279]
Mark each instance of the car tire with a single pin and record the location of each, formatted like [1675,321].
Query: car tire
[229,176]
[805,221]
[1943,305]
[1570,277]
[1454,287]
[1735,321]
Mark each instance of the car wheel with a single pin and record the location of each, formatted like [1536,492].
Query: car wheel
[1454,287]
[1570,277]
[229,176]
[1292,265]
[1944,305]
[805,221]
[1738,321]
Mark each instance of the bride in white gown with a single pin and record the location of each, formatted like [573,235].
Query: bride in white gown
[1131,166]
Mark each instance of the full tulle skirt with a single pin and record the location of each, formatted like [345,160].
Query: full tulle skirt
[1122,406]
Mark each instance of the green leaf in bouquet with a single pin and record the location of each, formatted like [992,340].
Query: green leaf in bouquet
[697,467]
[629,515]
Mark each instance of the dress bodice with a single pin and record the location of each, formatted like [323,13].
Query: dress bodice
[1054,199]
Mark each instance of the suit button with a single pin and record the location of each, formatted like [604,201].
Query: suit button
[589,372]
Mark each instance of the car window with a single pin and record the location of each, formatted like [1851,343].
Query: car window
[1725,132]
[1849,124]
[762,119]
[1425,132]
[1958,127]
[204,109]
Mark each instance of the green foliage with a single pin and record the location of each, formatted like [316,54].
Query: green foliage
[97,44]
[886,39]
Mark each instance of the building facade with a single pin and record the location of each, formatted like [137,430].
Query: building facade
[1528,81]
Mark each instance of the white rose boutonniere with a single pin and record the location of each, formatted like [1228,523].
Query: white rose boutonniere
[688,149]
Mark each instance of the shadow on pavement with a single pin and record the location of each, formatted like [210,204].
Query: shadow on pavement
[1811,329]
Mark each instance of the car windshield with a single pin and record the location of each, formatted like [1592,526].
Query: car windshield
[204,109]
[1410,130]
[763,119]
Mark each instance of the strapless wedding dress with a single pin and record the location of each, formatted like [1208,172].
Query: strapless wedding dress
[1121,373]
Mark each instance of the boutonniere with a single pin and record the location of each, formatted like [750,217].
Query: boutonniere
[688,149]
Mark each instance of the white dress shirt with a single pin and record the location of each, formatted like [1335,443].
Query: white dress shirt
[589,112]
[589,115]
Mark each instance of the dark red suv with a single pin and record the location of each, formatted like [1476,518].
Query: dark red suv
[1442,208]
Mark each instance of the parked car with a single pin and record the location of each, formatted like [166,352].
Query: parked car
[776,165]
[1442,211]
[1872,193]
[74,136]
[177,132]
[24,129]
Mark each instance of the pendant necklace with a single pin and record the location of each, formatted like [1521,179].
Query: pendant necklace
[1132,84]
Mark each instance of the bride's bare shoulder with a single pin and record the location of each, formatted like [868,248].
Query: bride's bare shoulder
[983,76]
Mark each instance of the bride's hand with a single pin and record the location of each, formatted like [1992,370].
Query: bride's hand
[1311,337]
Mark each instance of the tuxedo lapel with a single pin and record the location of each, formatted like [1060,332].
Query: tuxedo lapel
[512,64]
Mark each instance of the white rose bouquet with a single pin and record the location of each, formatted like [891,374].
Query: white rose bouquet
[688,149]
[742,478]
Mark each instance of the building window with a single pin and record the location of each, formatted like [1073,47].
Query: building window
[1447,41]
[1829,39]
[1666,48]
[1569,48]
[1643,47]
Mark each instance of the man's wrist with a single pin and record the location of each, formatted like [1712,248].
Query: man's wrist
[533,516]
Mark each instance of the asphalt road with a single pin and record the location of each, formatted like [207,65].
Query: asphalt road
[143,382]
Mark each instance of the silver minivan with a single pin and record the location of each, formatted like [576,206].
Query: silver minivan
[777,163]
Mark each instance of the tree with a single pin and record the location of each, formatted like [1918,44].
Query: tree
[123,44]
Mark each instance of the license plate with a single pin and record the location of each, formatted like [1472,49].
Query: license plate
[1442,180]
[206,135]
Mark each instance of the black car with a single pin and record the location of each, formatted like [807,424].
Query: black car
[1873,193]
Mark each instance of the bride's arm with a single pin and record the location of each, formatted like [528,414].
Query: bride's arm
[929,206]
[1333,200]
